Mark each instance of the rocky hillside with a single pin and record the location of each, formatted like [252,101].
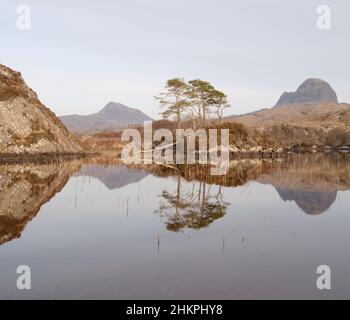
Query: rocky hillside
[310,91]
[320,124]
[312,122]
[112,116]
[26,125]
[324,115]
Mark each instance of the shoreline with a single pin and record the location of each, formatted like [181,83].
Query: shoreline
[53,157]
[6,158]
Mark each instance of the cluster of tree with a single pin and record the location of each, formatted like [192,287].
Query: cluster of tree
[195,99]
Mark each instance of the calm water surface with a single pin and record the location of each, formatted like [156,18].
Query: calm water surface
[99,230]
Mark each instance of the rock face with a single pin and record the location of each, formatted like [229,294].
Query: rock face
[26,125]
[112,116]
[311,91]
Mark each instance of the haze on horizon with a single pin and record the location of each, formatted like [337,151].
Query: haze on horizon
[78,56]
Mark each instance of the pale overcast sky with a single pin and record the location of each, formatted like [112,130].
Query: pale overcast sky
[79,55]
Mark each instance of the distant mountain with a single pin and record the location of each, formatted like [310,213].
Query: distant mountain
[112,116]
[310,116]
[313,104]
[310,91]
[26,125]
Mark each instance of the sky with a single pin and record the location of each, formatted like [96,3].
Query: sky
[79,55]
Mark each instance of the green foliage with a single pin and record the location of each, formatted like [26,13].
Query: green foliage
[196,99]
[174,99]
[219,101]
[200,95]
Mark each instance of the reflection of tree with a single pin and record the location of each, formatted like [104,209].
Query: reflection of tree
[194,209]
[312,181]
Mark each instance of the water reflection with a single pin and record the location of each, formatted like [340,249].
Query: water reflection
[24,189]
[112,176]
[311,202]
[94,228]
[311,181]
[195,208]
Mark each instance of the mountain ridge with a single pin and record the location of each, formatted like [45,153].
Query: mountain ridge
[113,115]
[319,122]
[312,90]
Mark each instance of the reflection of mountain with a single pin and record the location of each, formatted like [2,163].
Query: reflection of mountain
[24,189]
[112,177]
[312,181]
[311,202]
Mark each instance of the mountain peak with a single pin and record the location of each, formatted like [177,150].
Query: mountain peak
[112,107]
[312,90]
[113,115]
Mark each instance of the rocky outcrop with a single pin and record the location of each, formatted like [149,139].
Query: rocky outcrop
[311,91]
[26,125]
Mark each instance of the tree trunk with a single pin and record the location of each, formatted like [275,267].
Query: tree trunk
[219,118]
[194,123]
[178,120]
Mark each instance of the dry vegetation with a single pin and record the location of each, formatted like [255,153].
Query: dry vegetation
[303,125]
[244,139]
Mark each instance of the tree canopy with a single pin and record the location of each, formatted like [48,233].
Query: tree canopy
[197,99]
